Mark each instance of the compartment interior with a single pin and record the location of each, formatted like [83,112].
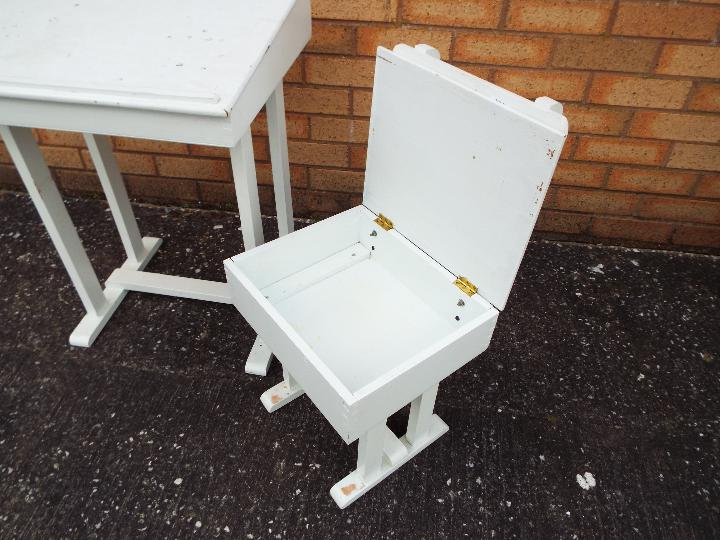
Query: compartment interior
[364,299]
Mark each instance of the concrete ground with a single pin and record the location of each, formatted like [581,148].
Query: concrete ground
[605,361]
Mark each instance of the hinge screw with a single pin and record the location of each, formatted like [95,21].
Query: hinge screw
[461,303]
[374,233]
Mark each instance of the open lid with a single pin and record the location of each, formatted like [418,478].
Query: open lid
[460,166]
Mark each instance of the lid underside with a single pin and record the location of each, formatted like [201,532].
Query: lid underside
[459,165]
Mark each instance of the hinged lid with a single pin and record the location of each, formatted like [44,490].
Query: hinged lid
[460,164]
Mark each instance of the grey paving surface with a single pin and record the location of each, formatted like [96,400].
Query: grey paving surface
[606,361]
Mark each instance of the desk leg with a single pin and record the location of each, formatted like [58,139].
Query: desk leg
[98,304]
[277,132]
[116,194]
[282,393]
[243,165]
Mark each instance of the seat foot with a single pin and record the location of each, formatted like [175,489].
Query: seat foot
[279,395]
[354,485]
[92,323]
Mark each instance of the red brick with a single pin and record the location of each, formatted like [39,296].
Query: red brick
[632,229]
[295,73]
[560,85]
[569,147]
[311,153]
[362,101]
[60,138]
[369,38]
[209,151]
[706,98]
[689,60]
[298,175]
[599,120]
[339,71]
[367,10]
[571,173]
[339,129]
[608,54]
[337,180]
[594,201]
[651,180]
[297,126]
[658,19]
[709,186]
[565,16]
[470,13]
[702,157]
[479,71]
[358,157]
[77,182]
[502,49]
[4,154]
[217,194]
[129,163]
[60,156]
[562,222]
[638,91]
[676,209]
[9,178]
[675,126]
[317,100]
[615,150]
[144,145]
[332,38]
[697,235]
[199,168]
[320,204]
[162,189]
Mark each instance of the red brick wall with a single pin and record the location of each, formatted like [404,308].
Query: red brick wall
[639,80]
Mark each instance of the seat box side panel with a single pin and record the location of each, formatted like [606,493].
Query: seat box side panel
[288,348]
[408,383]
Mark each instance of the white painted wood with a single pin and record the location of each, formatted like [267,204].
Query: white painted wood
[243,166]
[112,183]
[280,395]
[393,448]
[332,333]
[275,108]
[371,447]
[194,60]
[421,410]
[353,486]
[181,287]
[459,165]
[368,320]
[258,361]
[29,162]
[92,324]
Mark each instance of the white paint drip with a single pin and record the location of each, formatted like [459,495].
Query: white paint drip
[597,269]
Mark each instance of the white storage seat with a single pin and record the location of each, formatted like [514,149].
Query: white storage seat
[369,313]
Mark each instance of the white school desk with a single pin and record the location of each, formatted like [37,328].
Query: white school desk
[186,71]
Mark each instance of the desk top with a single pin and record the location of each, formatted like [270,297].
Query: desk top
[180,56]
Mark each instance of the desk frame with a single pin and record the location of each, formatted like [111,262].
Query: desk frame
[99,303]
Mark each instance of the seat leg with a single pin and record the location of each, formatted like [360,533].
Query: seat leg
[426,428]
[282,393]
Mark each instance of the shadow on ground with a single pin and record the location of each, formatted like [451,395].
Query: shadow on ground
[606,361]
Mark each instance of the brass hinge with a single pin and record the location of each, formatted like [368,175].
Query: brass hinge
[384,222]
[465,285]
